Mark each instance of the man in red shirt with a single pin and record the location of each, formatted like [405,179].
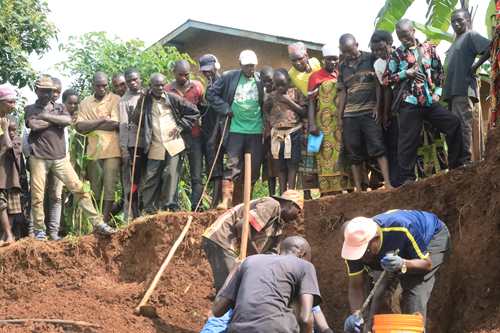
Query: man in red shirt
[192,91]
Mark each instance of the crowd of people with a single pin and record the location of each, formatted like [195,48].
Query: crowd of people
[350,122]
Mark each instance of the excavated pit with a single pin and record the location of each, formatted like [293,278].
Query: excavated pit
[101,280]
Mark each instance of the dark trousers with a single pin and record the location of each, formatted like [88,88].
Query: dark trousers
[159,184]
[410,125]
[220,260]
[391,134]
[195,158]
[237,146]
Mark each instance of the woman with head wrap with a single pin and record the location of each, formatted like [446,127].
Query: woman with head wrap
[323,117]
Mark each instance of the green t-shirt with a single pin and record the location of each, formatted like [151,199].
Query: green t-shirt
[247,116]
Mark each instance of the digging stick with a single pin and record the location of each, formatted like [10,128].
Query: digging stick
[164,265]
[49,321]
[129,209]
[247,189]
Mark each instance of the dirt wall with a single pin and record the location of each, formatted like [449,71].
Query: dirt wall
[466,296]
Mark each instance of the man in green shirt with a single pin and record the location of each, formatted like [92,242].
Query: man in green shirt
[238,95]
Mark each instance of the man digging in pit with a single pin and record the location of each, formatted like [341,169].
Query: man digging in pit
[267,216]
[410,245]
[264,290]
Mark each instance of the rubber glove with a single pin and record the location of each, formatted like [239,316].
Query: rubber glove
[392,263]
[353,324]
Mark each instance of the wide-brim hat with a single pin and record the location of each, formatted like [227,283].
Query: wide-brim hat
[44,82]
[293,196]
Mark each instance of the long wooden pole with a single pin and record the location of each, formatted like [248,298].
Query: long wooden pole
[164,265]
[49,321]
[132,180]
[247,189]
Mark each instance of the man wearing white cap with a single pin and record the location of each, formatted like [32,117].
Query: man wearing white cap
[421,241]
[238,94]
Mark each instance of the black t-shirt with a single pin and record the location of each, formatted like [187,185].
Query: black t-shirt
[459,59]
[50,143]
[263,289]
[358,79]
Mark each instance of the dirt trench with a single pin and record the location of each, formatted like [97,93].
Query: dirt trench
[466,297]
[101,280]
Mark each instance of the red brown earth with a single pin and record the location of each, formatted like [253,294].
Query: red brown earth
[101,280]
[466,297]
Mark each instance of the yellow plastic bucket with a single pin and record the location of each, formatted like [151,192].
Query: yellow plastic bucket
[398,323]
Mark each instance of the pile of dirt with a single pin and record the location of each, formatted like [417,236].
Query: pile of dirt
[101,280]
[467,293]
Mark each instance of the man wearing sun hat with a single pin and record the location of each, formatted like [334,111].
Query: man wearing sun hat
[238,94]
[47,146]
[268,216]
[411,244]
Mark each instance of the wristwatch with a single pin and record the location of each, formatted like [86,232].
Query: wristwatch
[404,268]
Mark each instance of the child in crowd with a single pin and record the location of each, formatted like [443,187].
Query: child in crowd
[286,128]
[268,170]
[10,170]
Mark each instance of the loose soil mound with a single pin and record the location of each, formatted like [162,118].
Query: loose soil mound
[467,293]
[101,281]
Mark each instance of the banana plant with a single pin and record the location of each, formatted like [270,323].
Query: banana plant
[490,19]
[437,17]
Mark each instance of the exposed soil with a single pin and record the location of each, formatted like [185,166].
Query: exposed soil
[466,297]
[101,280]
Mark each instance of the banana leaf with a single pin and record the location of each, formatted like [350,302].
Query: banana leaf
[439,13]
[433,34]
[489,20]
[391,13]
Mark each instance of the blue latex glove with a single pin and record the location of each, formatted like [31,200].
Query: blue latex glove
[392,263]
[353,324]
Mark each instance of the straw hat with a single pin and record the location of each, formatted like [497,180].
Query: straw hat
[44,82]
[294,196]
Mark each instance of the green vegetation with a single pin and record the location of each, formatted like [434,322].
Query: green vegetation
[24,29]
[96,51]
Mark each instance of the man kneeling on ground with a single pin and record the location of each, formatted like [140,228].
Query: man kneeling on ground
[263,288]
[267,216]
[409,244]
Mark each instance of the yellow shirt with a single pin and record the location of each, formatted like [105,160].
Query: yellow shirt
[163,123]
[101,144]
[301,79]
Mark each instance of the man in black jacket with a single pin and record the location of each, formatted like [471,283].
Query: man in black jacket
[238,94]
[166,120]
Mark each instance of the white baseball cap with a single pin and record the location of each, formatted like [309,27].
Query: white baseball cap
[330,50]
[357,235]
[248,57]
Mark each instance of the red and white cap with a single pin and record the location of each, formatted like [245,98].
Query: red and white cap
[358,232]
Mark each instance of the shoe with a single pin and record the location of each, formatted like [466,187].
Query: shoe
[54,236]
[40,235]
[104,229]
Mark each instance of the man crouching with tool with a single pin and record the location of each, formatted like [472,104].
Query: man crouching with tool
[409,245]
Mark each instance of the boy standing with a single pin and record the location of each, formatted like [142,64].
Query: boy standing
[286,135]
[10,199]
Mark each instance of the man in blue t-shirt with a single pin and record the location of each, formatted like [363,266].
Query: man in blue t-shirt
[410,244]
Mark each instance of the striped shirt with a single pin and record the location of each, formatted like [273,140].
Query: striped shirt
[358,79]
